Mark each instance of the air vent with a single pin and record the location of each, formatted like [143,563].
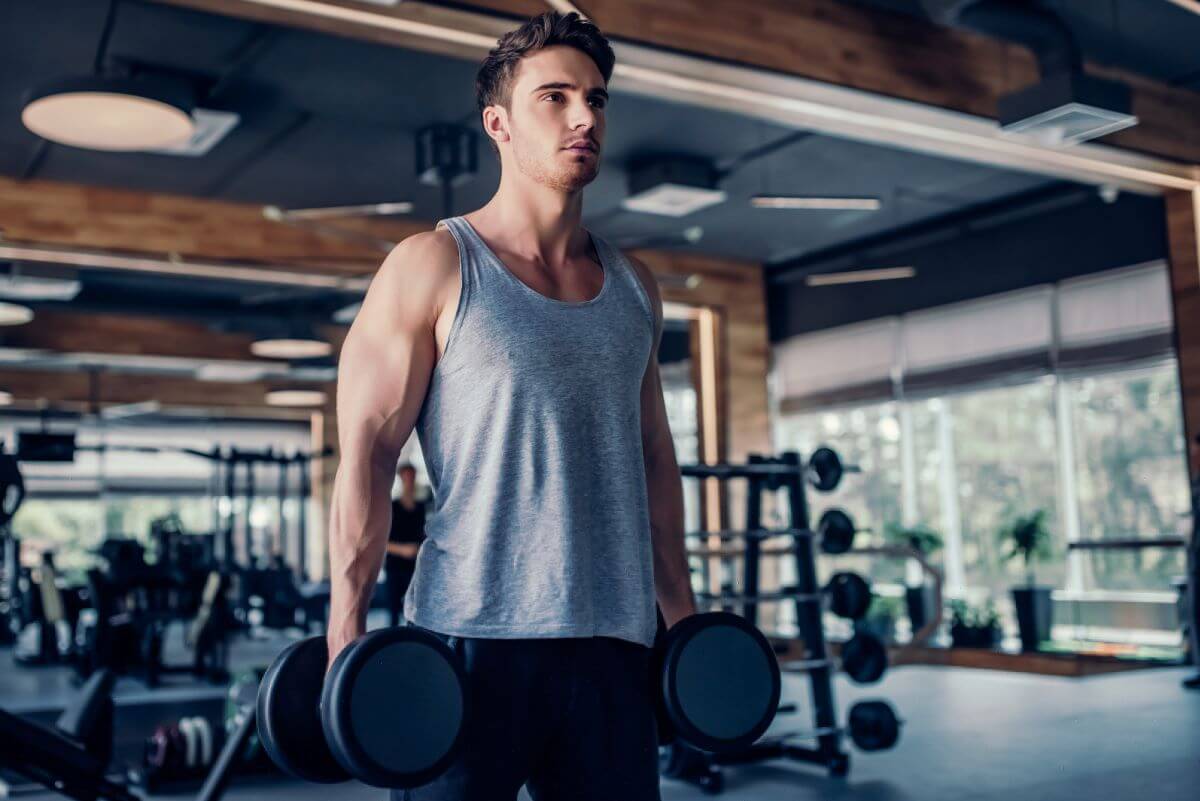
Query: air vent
[673,186]
[211,128]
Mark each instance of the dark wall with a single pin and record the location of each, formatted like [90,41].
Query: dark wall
[1061,234]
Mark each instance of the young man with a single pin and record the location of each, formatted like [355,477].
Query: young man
[522,350]
[404,539]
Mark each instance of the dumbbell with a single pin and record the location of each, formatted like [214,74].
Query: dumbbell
[825,469]
[717,682]
[391,712]
[848,595]
[836,531]
[872,726]
[864,659]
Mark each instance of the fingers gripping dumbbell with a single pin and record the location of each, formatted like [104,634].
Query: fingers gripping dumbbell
[717,682]
[391,712]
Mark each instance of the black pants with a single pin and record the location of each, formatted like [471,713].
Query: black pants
[572,719]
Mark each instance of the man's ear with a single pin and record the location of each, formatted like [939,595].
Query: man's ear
[495,123]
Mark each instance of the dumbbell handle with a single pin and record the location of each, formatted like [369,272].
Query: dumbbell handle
[751,534]
[804,665]
[784,594]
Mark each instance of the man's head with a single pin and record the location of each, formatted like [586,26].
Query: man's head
[407,474]
[542,92]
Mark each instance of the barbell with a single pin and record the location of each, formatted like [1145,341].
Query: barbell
[871,725]
[848,594]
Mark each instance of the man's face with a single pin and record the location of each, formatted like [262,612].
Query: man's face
[556,119]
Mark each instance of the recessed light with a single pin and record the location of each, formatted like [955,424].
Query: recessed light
[291,348]
[296,397]
[15,314]
[103,113]
[861,276]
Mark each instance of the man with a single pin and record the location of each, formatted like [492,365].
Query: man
[404,538]
[522,350]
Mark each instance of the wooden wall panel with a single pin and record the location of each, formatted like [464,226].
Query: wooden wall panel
[1183,234]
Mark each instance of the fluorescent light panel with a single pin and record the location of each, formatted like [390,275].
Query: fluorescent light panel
[861,276]
[822,203]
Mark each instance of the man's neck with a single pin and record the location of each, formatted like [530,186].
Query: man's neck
[534,222]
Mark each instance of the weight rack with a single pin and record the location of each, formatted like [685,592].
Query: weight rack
[762,473]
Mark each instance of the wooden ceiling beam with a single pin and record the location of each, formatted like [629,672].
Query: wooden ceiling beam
[879,52]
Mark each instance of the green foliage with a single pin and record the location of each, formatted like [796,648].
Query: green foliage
[885,607]
[980,616]
[920,537]
[1027,537]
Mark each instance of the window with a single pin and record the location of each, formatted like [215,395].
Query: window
[1131,473]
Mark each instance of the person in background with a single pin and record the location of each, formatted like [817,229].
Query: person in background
[404,540]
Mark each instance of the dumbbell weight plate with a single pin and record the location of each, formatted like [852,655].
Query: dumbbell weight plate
[849,595]
[873,725]
[864,658]
[289,721]
[720,681]
[394,707]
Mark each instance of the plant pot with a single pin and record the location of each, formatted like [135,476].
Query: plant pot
[919,601]
[974,636]
[1035,612]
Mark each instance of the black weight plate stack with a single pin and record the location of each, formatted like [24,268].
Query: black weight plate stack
[720,681]
[395,707]
[289,722]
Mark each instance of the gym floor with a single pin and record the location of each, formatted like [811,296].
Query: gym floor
[970,735]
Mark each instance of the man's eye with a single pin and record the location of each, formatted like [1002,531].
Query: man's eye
[598,102]
[553,95]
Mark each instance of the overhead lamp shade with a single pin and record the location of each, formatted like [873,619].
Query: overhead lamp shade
[15,314]
[6,398]
[116,114]
[295,397]
[291,348]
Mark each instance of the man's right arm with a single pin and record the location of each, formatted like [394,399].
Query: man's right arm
[383,374]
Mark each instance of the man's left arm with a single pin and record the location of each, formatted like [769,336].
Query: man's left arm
[664,485]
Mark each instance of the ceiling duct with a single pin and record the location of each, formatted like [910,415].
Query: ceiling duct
[1066,106]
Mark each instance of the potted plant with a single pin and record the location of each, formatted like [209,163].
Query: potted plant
[918,592]
[880,619]
[1028,537]
[974,626]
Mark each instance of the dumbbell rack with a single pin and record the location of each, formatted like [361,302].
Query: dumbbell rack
[787,472]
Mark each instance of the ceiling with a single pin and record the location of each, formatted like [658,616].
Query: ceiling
[331,121]
[1156,38]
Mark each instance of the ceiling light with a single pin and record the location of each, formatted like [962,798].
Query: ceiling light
[29,287]
[296,397]
[278,214]
[291,348]
[15,314]
[104,113]
[861,276]
[230,372]
[823,203]
[346,314]
[6,398]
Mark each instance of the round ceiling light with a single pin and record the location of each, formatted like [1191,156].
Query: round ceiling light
[111,113]
[291,348]
[296,397]
[15,314]
[6,398]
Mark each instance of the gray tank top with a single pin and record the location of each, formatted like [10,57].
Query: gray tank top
[531,432]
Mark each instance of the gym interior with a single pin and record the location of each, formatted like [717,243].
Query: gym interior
[930,274]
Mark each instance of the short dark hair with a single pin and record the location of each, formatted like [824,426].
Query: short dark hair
[493,83]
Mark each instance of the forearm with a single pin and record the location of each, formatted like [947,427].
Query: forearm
[672,579]
[358,525]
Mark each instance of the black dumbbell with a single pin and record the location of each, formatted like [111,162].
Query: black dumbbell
[391,712]
[864,659]
[717,682]
[848,595]
[836,531]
